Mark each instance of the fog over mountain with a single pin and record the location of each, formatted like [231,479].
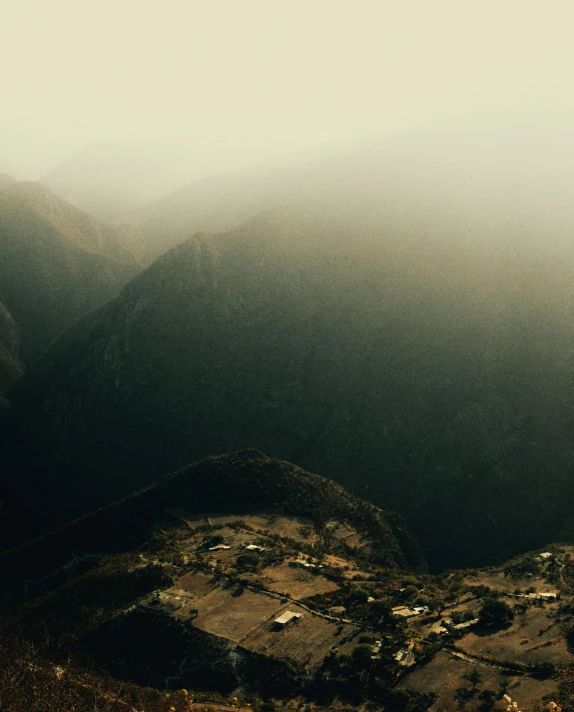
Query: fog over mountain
[56,262]
[409,332]
[112,179]
[340,234]
[479,173]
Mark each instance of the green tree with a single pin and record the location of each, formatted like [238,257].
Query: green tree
[495,612]
[474,677]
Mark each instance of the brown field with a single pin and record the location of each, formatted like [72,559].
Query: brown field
[235,618]
[293,527]
[248,619]
[521,642]
[444,674]
[306,641]
[351,570]
[298,583]
[297,528]
[500,582]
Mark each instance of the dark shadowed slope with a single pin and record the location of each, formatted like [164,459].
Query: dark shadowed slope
[430,375]
[56,263]
[11,367]
[237,483]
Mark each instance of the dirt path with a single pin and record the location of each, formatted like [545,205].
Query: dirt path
[477,661]
[334,619]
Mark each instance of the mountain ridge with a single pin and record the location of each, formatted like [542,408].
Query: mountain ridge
[57,263]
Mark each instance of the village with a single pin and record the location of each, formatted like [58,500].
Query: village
[269,586]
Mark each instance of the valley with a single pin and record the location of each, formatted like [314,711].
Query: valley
[286,356]
[262,605]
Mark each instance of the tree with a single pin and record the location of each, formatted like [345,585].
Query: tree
[247,562]
[437,605]
[474,677]
[495,612]
[359,595]
[410,592]
[382,608]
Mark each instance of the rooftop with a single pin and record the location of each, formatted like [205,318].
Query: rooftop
[287,617]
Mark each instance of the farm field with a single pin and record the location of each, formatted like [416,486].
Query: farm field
[444,676]
[531,639]
[297,583]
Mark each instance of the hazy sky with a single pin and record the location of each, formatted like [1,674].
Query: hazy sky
[270,76]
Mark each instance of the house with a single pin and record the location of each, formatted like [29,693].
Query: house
[286,618]
[466,625]
[406,612]
[307,564]
[254,547]
[548,596]
[545,555]
[219,547]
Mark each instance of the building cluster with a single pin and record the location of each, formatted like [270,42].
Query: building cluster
[407,612]
[548,596]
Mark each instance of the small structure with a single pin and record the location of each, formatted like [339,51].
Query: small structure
[545,596]
[307,564]
[286,618]
[254,547]
[219,547]
[337,609]
[406,612]
[467,625]
[545,555]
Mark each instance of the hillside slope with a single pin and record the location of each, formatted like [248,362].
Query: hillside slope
[431,378]
[239,482]
[11,367]
[479,180]
[56,263]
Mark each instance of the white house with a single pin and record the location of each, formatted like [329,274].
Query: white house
[286,618]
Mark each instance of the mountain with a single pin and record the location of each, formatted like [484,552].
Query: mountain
[247,481]
[56,263]
[482,178]
[425,370]
[112,179]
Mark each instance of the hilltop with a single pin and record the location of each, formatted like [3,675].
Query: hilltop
[238,482]
[56,263]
